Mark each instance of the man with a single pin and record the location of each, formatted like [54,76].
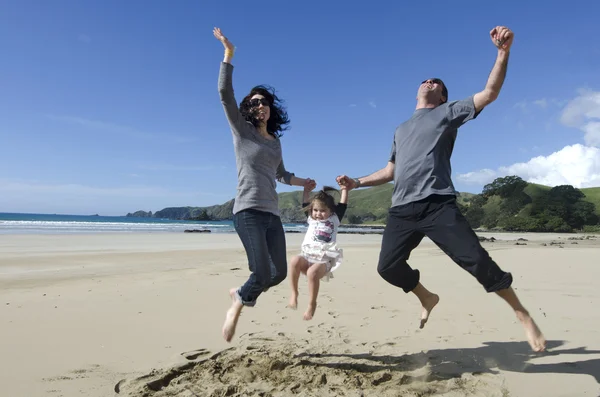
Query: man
[424,199]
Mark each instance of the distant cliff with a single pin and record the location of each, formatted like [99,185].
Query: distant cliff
[140,214]
[215,212]
[366,206]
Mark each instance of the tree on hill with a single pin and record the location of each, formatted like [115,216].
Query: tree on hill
[565,203]
[505,204]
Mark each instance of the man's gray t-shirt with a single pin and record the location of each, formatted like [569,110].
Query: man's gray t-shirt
[422,149]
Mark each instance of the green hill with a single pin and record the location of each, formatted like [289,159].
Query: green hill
[592,195]
[508,203]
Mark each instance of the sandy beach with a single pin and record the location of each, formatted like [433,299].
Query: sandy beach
[85,315]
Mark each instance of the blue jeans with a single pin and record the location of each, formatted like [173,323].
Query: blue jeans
[263,238]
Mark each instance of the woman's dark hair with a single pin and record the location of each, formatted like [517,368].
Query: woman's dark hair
[278,120]
[324,197]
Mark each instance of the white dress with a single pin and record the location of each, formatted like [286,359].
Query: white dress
[320,246]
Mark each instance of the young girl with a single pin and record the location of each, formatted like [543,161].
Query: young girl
[319,255]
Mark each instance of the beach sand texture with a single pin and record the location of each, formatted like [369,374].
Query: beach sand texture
[141,315]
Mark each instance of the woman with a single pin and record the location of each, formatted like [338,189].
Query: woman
[257,127]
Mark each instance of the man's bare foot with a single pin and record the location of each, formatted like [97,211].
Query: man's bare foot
[293,302]
[534,335]
[310,311]
[232,316]
[428,304]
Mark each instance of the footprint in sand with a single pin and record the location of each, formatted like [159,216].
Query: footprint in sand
[333,314]
[329,298]
[284,318]
[194,354]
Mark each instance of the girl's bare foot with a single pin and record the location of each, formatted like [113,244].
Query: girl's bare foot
[293,302]
[534,335]
[310,311]
[233,314]
[428,304]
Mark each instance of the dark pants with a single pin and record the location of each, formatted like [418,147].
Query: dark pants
[263,238]
[438,218]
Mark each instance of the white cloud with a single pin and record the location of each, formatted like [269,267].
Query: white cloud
[353,105]
[575,165]
[543,103]
[592,133]
[583,113]
[480,177]
[116,129]
[372,104]
[521,105]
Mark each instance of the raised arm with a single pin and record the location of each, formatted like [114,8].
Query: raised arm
[340,208]
[502,38]
[380,177]
[284,176]
[235,118]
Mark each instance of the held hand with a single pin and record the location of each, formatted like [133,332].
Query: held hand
[309,184]
[226,43]
[502,37]
[346,182]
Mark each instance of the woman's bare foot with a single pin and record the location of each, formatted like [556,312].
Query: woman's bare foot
[293,302]
[232,316]
[428,304]
[534,335]
[310,311]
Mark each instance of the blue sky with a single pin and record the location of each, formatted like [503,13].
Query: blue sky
[112,106]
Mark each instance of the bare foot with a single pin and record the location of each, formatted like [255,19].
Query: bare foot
[293,302]
[231,319]
[428,305]
[534,335]
[310,312]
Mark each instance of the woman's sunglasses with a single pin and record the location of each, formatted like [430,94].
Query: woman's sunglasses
[257,101]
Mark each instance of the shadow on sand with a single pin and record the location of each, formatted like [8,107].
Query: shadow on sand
[453,363]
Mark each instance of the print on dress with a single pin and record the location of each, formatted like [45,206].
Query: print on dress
[324,231]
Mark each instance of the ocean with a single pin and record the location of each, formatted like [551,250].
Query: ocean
[11,223]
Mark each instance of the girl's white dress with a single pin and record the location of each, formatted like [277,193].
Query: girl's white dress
[320,242]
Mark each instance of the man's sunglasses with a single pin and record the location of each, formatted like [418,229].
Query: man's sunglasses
[436,81]
[258,101]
